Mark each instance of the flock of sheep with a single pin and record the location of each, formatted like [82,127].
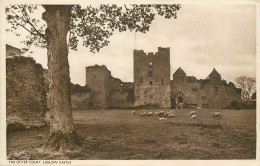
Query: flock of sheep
[163,115]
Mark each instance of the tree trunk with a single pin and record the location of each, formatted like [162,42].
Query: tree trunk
[63,136]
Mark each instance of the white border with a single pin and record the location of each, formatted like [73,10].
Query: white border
[3,160]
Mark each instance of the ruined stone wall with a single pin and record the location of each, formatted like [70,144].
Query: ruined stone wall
[119,93]
[81,97]
[25,94]
[12,51]
[96,79]
[121,99]
[106,91]
[152,78]
[211,92]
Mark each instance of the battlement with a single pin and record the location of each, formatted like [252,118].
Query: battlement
[161,51]
[97,67]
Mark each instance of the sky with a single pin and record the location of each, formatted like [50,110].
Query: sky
[203,37]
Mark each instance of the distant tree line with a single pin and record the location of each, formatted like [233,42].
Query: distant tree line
[248,93]
[248,86]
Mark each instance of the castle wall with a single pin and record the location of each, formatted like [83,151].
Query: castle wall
[96,78]
[81,97]
[107,91]
[12,51]
[152,78]
[211,92]
[121,99]
[25,94]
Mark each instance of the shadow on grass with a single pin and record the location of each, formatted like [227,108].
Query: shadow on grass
[213,126]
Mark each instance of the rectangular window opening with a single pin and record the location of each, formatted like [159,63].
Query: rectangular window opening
[150,73]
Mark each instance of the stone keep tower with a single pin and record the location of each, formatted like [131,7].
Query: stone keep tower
[152,78]
[97,79]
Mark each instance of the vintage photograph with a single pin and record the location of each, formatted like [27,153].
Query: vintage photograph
[130,81]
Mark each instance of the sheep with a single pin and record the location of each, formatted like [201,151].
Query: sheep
[192,113]
[133,112]
[166,114]
[198,107]
[156,113]
[193,117]
[216,114]
[143,114]
[161,113]
[170,112]
[149,114]
[171,116]
[162,119]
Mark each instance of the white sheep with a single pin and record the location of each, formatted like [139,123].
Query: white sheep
[192,113]
[216,114]
[193,116]
[133,112]
[143,114]
[156,113]
[170,112]
[162,119]
[149,114]
[171,116]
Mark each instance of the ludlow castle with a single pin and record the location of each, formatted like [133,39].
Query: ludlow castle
[152,86]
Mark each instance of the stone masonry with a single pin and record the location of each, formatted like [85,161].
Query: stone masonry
[26,102]
[152,78]
[12,51]
[107,91]
[212,92]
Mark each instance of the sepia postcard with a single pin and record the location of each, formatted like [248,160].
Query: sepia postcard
[129,83]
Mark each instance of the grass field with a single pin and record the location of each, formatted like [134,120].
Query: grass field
[117,134]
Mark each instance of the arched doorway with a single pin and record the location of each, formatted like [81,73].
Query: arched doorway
[179,100]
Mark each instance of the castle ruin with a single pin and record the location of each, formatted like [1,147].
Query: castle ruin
[152,78]
[212,92]
[153,88]
[26,102]
[107,91]
[152,85]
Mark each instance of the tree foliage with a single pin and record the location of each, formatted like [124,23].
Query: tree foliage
[22,16]
[94,25]
[248,86]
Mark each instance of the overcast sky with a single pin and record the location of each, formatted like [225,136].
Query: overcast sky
[203,37]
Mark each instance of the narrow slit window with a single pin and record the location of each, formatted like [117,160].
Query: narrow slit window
[150,73]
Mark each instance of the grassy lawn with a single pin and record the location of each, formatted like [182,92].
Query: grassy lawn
[117,134]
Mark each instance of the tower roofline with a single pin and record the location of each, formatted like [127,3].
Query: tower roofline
[179,71]
[214,73]
[141,52]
